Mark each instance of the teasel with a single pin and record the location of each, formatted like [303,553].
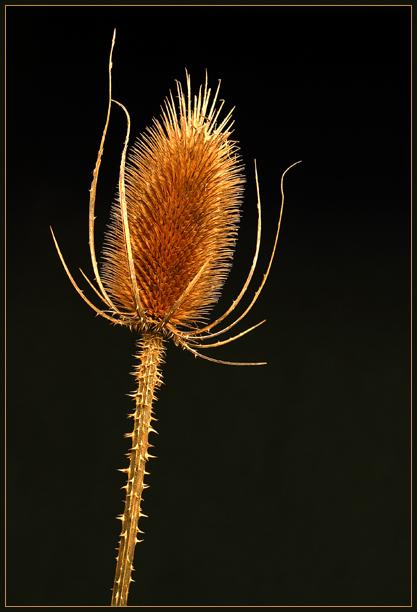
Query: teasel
[166,255]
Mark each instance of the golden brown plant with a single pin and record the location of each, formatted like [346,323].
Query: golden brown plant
[166,255]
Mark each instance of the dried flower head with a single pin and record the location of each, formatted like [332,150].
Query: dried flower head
[173,227]
[183,192]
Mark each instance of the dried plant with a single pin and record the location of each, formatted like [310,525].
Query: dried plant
[166,255]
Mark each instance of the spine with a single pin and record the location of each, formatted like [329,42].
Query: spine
[149,378]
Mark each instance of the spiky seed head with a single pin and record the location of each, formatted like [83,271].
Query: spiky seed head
[184,185]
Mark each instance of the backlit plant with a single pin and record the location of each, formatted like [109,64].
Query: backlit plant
[166,255]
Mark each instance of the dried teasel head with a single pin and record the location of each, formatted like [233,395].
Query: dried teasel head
[183,189]
[170,242]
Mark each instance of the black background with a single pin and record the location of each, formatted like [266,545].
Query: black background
[286,484]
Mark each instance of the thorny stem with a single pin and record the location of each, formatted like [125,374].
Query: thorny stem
[148,376]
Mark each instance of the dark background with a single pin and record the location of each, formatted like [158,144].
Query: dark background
[286,484]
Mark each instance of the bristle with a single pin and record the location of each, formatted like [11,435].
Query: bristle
[184,185]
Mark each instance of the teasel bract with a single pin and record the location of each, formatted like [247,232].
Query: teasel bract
[166,255]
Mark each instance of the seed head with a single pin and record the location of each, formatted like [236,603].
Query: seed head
[171,237]
[183,194]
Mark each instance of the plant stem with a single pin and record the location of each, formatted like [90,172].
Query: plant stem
[148,376]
